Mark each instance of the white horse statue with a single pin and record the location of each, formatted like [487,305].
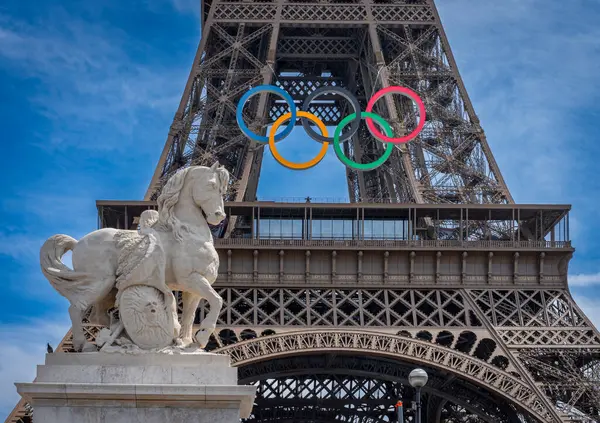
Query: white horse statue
[174,247]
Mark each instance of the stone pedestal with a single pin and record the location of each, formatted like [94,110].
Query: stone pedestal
[145,388]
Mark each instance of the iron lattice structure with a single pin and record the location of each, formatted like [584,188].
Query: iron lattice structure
[329,306]
[360,45]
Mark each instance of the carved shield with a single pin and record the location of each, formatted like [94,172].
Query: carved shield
[146,317]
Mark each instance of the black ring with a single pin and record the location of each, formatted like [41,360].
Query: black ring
[344,93]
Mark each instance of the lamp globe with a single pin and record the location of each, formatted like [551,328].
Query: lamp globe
[418,378]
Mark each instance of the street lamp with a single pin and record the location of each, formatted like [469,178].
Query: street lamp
[417,379]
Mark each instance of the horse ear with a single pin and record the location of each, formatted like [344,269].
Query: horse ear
[214,166]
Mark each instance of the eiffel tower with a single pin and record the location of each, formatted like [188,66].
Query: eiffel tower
[329,306]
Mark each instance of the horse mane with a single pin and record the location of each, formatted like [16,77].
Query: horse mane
[169,196]
[223,175]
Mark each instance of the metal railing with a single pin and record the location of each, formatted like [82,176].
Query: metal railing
[393,243]
[322,200]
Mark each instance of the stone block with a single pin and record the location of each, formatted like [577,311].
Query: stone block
[146,388]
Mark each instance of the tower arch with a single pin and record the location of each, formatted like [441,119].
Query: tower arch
[470,372]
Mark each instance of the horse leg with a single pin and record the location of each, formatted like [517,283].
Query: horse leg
[190,304]
[215,302]
[79,341]
[172,304]
[76,328]
[99,315]
[199,287]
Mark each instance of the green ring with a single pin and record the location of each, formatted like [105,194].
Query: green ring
[360,166]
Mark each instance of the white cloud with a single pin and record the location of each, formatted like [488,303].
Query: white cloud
[584,279]
[22,347]
[188,6]
[23,244]
[92,87]
[20,247]
[51,207]
[45,216]
[184,7]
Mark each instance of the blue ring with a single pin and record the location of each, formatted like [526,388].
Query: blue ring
[270,89]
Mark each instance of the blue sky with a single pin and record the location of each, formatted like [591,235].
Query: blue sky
[89,90]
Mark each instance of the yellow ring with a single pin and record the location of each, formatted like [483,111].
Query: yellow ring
[298,166]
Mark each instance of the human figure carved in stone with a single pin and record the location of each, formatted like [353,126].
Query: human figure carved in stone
[136,271]
[148,309]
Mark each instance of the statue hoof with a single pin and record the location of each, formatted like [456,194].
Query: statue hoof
[176,329]
[183,342]
[202,337]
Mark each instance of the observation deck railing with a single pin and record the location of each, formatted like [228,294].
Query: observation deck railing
[359,225]
[393,244]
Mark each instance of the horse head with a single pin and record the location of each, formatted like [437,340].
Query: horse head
[208,189]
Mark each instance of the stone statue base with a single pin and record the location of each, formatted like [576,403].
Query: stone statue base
[156,387]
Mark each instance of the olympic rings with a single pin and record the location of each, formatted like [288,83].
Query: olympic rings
[270,89]
[330,90]
[362,166]
[407,93]
[298,166]
[338,138]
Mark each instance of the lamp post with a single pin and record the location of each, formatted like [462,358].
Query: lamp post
[417,379]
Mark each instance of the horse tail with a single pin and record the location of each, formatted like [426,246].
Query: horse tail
[70,284]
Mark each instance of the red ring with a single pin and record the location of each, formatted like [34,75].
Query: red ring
[407,93]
